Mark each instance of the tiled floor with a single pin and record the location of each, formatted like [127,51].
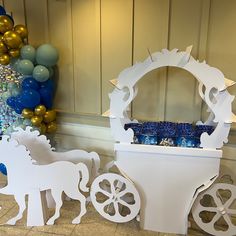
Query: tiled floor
[92,223]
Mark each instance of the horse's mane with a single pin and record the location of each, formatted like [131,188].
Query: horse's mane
[17,152]
[40,141]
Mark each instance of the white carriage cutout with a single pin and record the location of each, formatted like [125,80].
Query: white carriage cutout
[193,169]
[176,175]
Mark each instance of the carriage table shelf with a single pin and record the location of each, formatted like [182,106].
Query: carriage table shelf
[163,183]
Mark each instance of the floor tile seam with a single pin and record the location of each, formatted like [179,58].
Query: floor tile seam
[8,211]
[44,232]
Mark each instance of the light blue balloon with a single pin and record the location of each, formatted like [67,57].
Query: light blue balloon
[14,63]
[40,73]
[15,91]
[27,122]
[25,67]
[47,55]
[11,86]
[28,52]
[6,95]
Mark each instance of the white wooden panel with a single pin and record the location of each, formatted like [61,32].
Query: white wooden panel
[221,50]
[16,8]
[184,31]
[60,34]
[86,41]
[149,104]
[37,21]
[116,42]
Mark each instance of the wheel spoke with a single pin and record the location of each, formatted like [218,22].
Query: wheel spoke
[217,198]
[210,209]
[229,201]
[124,203]
[231,211]
[116,207]
[215,218]
[104,192]
[228,220]
[103,204]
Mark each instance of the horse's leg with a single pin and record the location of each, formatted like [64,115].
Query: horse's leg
[20,199]
[56,194]
[75,194]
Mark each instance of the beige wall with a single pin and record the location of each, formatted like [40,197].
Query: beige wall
[99,38]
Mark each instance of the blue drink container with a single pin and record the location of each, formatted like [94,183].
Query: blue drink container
[199,129]
[149,134]
[185,135]
[167,133]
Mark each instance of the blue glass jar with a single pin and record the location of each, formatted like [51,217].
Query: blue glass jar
[148,136]
[167,133]
[185,135]
[137,128]
[199,129]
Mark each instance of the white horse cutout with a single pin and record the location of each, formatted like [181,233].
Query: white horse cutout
[41,151]
[24,177]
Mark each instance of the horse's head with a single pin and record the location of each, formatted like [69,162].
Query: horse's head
[7,145]
[11,153]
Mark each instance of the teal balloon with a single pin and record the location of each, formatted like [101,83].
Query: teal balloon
[40,73]
[14,63]
[47,55]
[6,95]
[28,52]
[11,86]
[15,91]
[25,67]
[27,122]
[51,71]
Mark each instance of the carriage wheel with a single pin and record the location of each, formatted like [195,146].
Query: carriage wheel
[115,198]
[215,210]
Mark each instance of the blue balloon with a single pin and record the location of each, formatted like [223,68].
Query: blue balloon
[28,52]
[29,83]
[46,97]
[47,55]
[11,102]
[30,98]
[47,84]
[19,106]
[41,73]
[3,169]
[25,67]
[2,10]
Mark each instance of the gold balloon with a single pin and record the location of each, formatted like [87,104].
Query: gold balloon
[36,120]
[43,128]
[27,113]
[21,30]
[49,116]
[14,52]
[12,39]
[4,59]
[6,24]
[51,127]
[40,110]
[3,48]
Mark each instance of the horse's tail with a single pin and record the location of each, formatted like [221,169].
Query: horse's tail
[96,159]
[84,176]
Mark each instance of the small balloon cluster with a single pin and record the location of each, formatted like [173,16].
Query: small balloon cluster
[31,96]
[12,38]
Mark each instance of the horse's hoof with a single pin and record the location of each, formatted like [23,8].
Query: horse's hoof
[11,222]
[50,222]
[76,221]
